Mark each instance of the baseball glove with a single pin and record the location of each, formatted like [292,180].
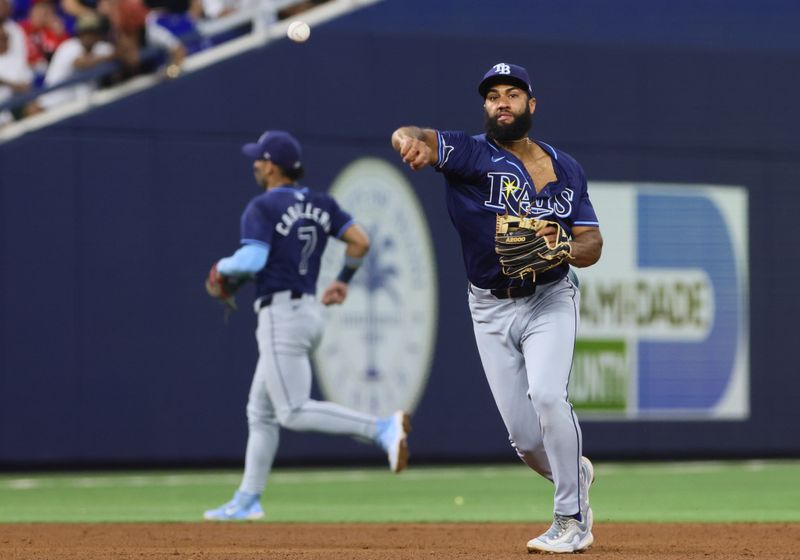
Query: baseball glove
[223,287]
[522,253]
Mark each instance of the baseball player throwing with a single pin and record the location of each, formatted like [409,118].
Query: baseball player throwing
[522,210]
[284,231]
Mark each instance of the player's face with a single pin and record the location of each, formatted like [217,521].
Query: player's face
[261,169]
[508,113]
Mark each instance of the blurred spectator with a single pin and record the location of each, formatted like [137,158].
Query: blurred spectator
[83,51]
[299,8]
[105,30]
[15,74]
[213,9]
[127,21]
[78,8]
[16,36]
[126,15]
[20,9]
[45,31]
[170,25]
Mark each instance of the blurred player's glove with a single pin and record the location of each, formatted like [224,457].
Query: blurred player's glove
[223,287]
[523,254]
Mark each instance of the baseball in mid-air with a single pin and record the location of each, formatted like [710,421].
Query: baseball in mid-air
[298,31]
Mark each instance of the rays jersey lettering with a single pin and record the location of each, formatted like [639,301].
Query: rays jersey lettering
[295,224]
[508,192]
[484,180]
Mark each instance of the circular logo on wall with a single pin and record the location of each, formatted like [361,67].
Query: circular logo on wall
[377,348]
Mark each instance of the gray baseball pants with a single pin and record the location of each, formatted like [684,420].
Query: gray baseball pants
[288,331]
[526,346]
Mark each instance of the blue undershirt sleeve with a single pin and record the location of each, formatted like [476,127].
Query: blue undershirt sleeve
[248,260]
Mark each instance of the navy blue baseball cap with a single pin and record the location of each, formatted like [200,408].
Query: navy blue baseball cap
[504,73]
[277,146]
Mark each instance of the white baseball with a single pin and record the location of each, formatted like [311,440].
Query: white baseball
[298,31]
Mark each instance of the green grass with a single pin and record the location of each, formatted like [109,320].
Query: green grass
[764,491]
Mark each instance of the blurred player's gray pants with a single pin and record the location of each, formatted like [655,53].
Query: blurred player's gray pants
[288,330]
[526,346]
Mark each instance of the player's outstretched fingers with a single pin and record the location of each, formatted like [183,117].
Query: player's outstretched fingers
[414,152]
[409,150]
[423,156]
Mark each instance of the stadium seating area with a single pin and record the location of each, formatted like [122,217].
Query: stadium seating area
[53,51]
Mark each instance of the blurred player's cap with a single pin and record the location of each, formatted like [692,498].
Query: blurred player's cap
[504,73]
[277,146]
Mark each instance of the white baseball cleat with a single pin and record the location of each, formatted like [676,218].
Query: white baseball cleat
[393,437]
[565,535]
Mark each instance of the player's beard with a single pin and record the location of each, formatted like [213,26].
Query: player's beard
[516,129]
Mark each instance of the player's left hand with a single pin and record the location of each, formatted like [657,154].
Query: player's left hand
[335,294]
[549,233]
[223,287]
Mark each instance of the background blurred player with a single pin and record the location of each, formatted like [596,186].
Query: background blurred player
[284,232]
[525,326]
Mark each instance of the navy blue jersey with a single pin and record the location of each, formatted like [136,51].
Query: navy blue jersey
[294,223]
[485,180]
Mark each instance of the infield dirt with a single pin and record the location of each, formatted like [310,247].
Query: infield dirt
[207,541]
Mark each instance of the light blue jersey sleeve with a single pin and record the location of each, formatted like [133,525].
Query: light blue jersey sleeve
[248,260]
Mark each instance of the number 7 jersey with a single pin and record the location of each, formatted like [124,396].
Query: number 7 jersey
[294,223]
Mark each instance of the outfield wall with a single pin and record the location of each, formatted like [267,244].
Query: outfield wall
[110,351]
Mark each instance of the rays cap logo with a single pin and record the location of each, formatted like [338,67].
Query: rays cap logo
[504,73]
[277,146]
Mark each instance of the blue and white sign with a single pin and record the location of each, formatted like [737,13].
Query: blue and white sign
[664,314]
[377,348]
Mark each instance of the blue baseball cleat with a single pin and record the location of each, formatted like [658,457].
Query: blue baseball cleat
[243,507]
[393,437]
